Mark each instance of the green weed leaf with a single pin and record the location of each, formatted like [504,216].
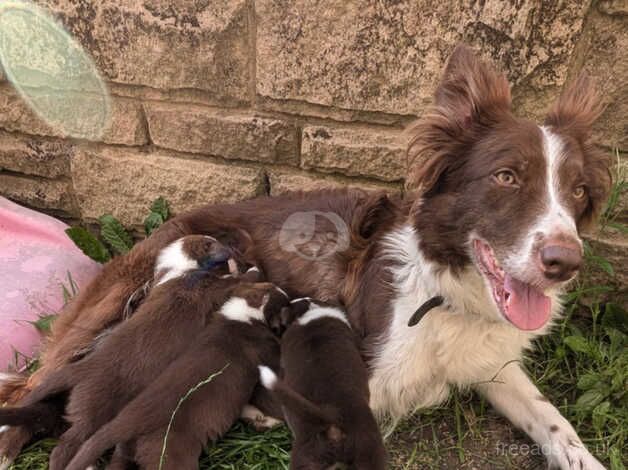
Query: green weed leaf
[115,234]
[159,213]
[90,245]
[160,206]
[153,221]
[44,323]
[578,344]
[588,381]
[590,399]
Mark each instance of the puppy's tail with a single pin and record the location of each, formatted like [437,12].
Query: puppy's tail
[294,401]
[40,418]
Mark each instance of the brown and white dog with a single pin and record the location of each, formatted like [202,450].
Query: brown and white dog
[490,222]
[324,392]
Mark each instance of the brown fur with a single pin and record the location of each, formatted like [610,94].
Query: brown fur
[128,359]
[233,347]
[325,396]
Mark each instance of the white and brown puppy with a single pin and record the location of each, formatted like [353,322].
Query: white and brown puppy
[324,392]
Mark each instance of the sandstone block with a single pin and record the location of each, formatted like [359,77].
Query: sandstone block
[125,124]
[234,136]
[388,56]
[34,155]
[38,193]
[282,181]
[163,44]
[354,152]
[602,53]
[124,183]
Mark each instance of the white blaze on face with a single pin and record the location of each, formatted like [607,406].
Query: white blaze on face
[556,220]
[315,313]
[173,262]
[238,309]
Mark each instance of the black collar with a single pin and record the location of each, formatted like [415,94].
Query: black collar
[423,309]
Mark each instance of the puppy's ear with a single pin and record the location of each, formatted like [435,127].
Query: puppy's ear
[253,275]
[470,98]
[238,240]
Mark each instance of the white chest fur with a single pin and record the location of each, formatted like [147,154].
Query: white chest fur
[461,344]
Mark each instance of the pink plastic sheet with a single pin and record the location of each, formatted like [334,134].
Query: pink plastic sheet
[36,260]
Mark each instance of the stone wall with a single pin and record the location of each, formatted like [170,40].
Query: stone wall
[227,99]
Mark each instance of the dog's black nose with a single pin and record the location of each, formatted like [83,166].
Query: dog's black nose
[560,262]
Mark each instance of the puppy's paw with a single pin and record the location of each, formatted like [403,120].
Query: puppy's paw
[569,453]
[257,419]
[12,439]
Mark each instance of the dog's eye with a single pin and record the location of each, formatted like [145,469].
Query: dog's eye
[580,191]
[505,178]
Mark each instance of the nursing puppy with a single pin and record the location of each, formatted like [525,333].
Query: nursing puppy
[237,339]
[324,392]
[194,277]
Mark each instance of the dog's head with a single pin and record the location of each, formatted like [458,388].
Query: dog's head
[503,194]
[270,301]
[198,253]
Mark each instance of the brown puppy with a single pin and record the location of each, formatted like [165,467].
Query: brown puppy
[324,393]
[236,340]
[193,278]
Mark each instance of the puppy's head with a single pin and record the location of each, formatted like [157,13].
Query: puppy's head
[196,253]
[269,301]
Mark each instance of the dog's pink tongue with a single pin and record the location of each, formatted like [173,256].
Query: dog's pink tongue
[526,307]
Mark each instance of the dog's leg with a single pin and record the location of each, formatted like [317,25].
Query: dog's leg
[122,458]
[514,395]
[254,416]
[12,439]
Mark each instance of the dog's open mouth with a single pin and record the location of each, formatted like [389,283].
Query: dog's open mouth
[524,305]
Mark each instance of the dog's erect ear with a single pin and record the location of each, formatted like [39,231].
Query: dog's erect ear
[470,90]
[577,108]
[574,114]
[471,97]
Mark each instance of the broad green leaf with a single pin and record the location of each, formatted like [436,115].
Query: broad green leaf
[600,414]
[89,244]
[588,381]
[615,456]
[115,234]
[160,206]
[590,399]
[44,323]
[578,344]
[153,221]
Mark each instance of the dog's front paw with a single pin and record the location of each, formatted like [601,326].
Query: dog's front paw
[569,453]
[257,419]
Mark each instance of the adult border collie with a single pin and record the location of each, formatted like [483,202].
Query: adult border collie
[490,223]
